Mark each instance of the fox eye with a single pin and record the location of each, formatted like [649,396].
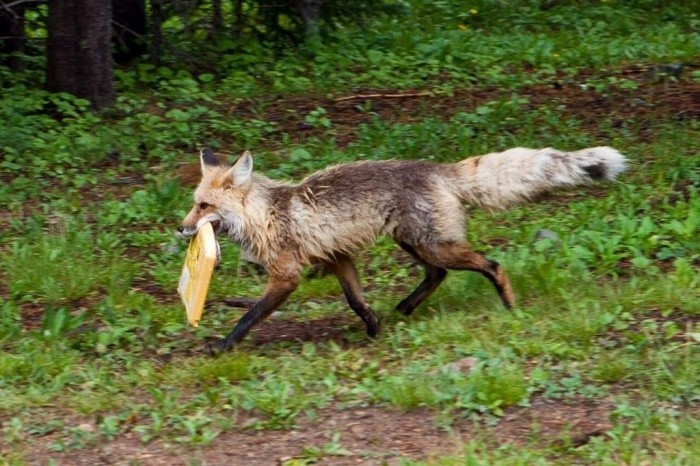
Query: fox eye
[203,205]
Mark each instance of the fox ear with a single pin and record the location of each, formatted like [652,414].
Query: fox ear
[208,159]
[242,170]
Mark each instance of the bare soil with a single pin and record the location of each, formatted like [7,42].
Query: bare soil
[651,100]
[370,436]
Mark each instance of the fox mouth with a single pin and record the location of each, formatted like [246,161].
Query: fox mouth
[188,232]
[214,220]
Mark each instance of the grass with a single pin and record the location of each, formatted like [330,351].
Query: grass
[92,333]
[591,328]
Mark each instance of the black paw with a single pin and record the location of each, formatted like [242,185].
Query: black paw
[405,308]
[373,329]
[218,347]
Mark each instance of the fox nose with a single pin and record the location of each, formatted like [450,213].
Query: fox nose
[180,229]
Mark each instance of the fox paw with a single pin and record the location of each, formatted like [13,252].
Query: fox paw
[218,347]
[373,329]
[405,307]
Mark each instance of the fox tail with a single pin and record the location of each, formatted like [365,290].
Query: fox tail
[499,180]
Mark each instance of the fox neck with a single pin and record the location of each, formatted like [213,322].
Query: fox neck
[254,228]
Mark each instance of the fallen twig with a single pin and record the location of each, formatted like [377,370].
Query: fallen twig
[382,96]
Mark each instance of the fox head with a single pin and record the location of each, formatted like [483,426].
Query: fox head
[220,196]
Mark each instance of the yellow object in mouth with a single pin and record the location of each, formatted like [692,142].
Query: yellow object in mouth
[201,258]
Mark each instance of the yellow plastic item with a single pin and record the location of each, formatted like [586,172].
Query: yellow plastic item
[196,273]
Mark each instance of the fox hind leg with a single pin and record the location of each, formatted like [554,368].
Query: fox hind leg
[345,271]
[459,256]
[434,276]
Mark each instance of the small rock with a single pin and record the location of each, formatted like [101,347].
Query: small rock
[358,431]
[126,180]
[546,239]
[464,365]
[170,249]
[545,234]
[250,422]
[664,72]
[86,426]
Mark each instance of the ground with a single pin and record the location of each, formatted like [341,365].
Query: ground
[370,436]
[347,435]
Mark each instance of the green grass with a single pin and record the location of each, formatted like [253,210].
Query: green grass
[591,328]
[91,327]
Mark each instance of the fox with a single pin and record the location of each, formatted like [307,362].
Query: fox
[333,213]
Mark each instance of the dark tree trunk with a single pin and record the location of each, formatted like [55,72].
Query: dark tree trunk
[310,12]
[238,18]
[12,36]
[217,21]
[157,19]
[129,25]
[79,50]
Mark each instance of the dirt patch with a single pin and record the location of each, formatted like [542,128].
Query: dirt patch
[278,329]
[343,329]
[687,322]
[676,326]
[651,100]
[553,422]
[367,435]
[32,315]
[326,329]
[160,293]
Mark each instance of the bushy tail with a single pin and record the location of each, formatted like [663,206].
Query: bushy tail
[499,180]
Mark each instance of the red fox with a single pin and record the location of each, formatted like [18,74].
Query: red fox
[334,212]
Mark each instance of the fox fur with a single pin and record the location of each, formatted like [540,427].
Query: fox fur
[332,213]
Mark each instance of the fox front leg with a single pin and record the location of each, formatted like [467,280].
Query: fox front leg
[344,269]
[278,289]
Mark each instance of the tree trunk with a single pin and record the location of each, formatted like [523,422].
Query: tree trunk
[217,21]
[12,36]
[157,19]
[238,18]
[79,50]
[310,12]
[129,24]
